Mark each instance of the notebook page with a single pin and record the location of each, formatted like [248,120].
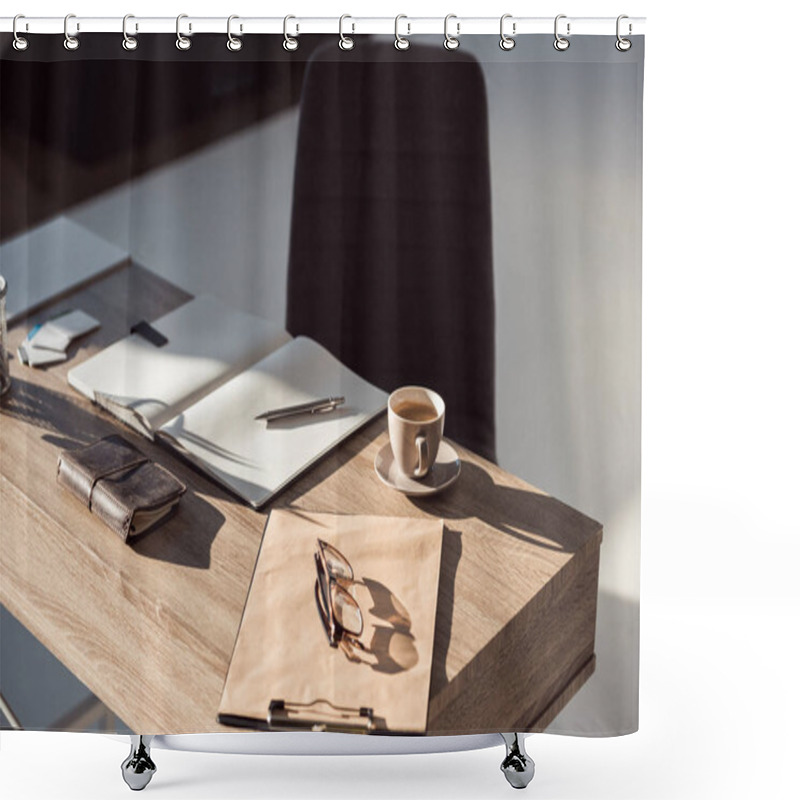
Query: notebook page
[254,459]
[208,342]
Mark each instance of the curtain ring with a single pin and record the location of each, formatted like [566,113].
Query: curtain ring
[129,42]
[20,42]
[622,44]
[234,42]
[182,42]
[70,42]
[560,43]
[346,42]
[400,42]
[451,42]
[289,42]
[506,41]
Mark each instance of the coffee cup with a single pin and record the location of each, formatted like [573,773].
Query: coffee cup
[416,425]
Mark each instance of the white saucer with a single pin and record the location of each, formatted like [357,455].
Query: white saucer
[444,471]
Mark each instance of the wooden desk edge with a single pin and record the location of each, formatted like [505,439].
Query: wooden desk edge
[366,436]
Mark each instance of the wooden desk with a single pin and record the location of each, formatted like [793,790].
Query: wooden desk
[150,628]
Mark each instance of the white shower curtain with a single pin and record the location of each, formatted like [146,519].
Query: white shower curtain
[474,220]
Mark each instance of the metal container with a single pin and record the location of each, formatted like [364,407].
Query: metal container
[5,375]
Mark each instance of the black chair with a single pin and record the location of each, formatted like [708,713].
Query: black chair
[390,261]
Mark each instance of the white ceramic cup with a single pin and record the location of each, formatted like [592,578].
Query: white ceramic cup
[416,425]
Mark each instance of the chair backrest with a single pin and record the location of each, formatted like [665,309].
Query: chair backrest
[390,262]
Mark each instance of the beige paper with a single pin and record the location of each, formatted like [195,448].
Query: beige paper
[282,651]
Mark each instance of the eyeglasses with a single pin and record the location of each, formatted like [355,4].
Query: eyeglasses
[340,613]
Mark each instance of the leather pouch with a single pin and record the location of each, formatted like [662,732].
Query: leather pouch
[120,484]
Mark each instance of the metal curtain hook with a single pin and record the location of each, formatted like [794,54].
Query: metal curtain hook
[289,42]
[20,42]
[622,44]
[234,42]
[346,42]
[70,42]
[182,42]
[506,41]
[129,42]
[451,42]
[400,42]
[560,42]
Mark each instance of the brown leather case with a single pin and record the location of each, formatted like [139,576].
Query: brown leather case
[120,484]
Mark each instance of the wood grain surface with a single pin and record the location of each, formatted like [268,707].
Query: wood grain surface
[150,627]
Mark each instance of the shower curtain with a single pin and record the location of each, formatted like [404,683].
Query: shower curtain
[193,237]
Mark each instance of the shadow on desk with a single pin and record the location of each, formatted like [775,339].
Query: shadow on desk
[452,549]
[525,512]
[64,424]
[187,537]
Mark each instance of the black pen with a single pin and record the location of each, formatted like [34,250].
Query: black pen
[313,407]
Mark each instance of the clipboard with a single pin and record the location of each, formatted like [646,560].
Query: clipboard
[285,674]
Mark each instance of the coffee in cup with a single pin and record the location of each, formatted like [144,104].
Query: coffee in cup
[416,425]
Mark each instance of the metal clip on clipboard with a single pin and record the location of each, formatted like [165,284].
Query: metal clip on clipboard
[319,715]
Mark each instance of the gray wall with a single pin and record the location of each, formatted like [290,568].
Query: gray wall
[566,174]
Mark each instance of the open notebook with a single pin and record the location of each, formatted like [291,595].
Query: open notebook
[220,368]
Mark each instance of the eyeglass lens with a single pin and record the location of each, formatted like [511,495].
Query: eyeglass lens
[335,596]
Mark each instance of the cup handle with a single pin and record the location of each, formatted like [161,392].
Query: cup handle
[422,456]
